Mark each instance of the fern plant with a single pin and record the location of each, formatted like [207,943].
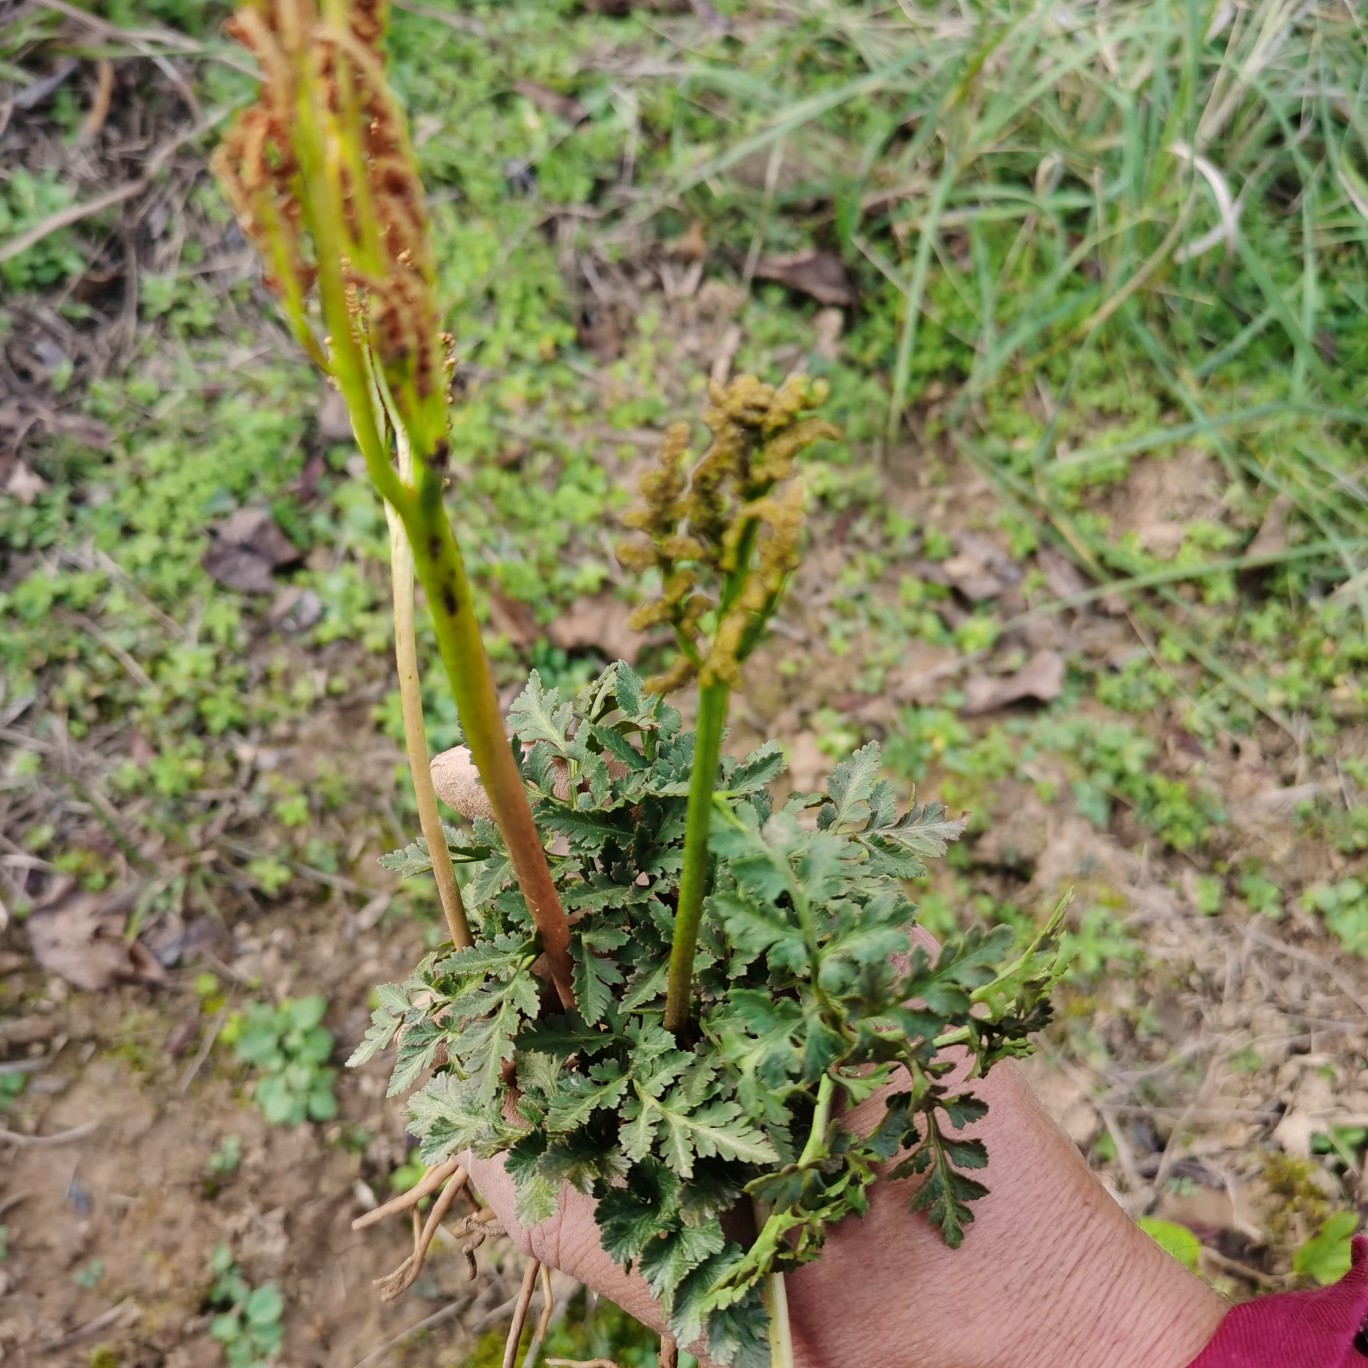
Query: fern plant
[665,991]
[807,999]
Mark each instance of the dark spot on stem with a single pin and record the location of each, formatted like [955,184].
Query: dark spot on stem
[434,547]
[440,454]
[450,602]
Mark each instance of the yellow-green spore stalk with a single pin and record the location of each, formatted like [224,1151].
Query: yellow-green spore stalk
[723,533]
[322,178]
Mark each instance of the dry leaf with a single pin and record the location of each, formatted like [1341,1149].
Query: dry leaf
[596,622]
[691,244]
[552,101]
[23,484]
[972,578]
[245,548]
[821,275]
[1041,678]
[295,609]
[334,420]
[978,569]
[512,618]
[80,937]
[1271,539]
[1062,577]
[827,326]
[600,332]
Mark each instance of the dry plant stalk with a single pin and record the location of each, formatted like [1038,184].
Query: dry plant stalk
[323,181]
[411,706]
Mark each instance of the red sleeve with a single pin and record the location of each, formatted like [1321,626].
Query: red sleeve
[1327,1328]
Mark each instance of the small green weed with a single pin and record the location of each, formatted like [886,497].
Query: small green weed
[1346,1143]
[1343,906]
[11,1085]
[89,1276]
[27,199]
[222,1163]
[1326,1256]
[290,1047]
[247,1320]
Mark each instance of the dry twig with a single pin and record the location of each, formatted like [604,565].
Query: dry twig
[91,1327]
[377,1356]
[74,213]
[66,1137]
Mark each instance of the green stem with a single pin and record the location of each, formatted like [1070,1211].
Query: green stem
[442,571]
[411,705]
[693,879]
[821,1119]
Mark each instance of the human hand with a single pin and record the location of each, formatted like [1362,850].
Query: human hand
[1052,1274]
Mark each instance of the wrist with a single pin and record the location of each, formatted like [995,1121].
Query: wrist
[1117,1301]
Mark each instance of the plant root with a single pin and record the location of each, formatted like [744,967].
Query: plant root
[548,1304]
[403,1277]
[520,1309]
[474,1230]
[429,1182]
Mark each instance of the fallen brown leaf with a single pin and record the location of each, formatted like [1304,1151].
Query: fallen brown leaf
[1041,678]
[334,419]
[827,326]
[1271,539]
[244,550]
[80,937]
[692,243]
[512,618]
[820,275]
[23,484]
[972,578]
[551,101]
[295,609]
[600,332]
[1062,577]
[596,622]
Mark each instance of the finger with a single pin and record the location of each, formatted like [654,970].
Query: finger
[457,782]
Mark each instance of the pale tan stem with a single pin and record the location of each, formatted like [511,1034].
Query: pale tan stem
[402,579]
[415,733]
